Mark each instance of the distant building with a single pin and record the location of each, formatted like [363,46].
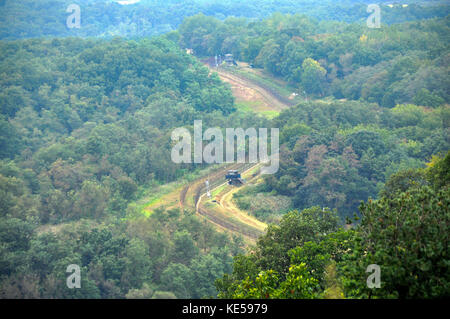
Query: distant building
[397,5]
[190,51]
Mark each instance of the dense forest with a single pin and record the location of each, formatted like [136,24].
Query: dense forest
[108,18]
[386,107]
[402,63]
[85,132]
[308,255]
[85,125]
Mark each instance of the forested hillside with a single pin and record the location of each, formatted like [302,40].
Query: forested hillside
[405,63]
[308,255]
[85,128]
[85,145]
[107,18]
[337,154]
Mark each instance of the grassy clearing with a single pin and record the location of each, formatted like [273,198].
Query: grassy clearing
[251,171]
[218,190]
[266,80]
[156,196]
[246,106]
[164,194]
[270,114]
[255,108]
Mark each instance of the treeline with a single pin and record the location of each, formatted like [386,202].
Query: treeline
[402,63]
[167,255]
[47,18]
[308,255]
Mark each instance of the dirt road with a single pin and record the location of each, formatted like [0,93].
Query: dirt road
[219,213]
[246,90]
[220,210]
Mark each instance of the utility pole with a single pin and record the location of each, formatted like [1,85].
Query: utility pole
[208,191]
